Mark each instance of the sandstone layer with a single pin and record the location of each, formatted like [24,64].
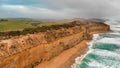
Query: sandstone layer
[27,51]
[66,58]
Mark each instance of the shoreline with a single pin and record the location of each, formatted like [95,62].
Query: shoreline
[66,58]
[55,47]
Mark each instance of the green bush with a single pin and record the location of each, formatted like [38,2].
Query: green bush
[38,29]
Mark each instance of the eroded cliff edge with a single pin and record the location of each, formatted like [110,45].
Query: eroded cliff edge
[32,49]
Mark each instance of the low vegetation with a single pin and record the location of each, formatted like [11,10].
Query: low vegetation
[38,29]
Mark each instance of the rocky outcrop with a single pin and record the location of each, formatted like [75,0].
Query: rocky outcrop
[29,50]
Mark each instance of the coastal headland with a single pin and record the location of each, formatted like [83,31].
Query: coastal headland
[54,46]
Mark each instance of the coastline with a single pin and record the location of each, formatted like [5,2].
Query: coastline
[56,48]
[66,58]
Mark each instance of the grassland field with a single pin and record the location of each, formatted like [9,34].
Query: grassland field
[14,25]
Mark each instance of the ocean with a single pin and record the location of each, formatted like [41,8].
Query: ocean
[104,50]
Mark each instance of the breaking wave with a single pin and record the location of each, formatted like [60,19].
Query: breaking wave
[104,51]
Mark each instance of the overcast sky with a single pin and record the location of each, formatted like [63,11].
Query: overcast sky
[60,9]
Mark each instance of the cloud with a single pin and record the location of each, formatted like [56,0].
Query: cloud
[88,8]
[31,12]
[60,9]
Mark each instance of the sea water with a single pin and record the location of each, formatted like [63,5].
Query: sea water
[104,50]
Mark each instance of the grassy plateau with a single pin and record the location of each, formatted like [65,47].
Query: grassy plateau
[13,25]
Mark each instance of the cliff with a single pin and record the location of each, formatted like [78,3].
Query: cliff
[29,50]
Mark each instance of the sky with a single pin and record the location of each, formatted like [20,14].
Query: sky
[59,9]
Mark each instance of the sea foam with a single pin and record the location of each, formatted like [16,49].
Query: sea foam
[102,57]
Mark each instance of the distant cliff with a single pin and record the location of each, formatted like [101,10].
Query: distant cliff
[25,51]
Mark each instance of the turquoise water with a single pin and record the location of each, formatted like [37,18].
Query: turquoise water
[104,52]
[103,55]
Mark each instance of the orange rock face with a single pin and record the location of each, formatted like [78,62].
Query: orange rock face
[32,49]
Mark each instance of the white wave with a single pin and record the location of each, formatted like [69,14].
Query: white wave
[109,40]
[78,60]
[95,37]
[114,25]
[115,33]
[115,55]
[107,59]
[105,53]
[102,53]
[115,29]
[96,64]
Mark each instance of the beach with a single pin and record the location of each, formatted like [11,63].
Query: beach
[66,58]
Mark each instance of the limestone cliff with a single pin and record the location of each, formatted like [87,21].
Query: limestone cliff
[26,51]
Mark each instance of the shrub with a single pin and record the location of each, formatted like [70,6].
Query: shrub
[38,29]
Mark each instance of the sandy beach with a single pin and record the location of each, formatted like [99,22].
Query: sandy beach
[66,58]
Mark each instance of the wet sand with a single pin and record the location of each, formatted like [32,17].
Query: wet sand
[66,58]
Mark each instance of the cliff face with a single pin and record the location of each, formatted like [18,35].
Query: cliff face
[32,49]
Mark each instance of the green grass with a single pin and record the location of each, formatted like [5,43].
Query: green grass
[13,25]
